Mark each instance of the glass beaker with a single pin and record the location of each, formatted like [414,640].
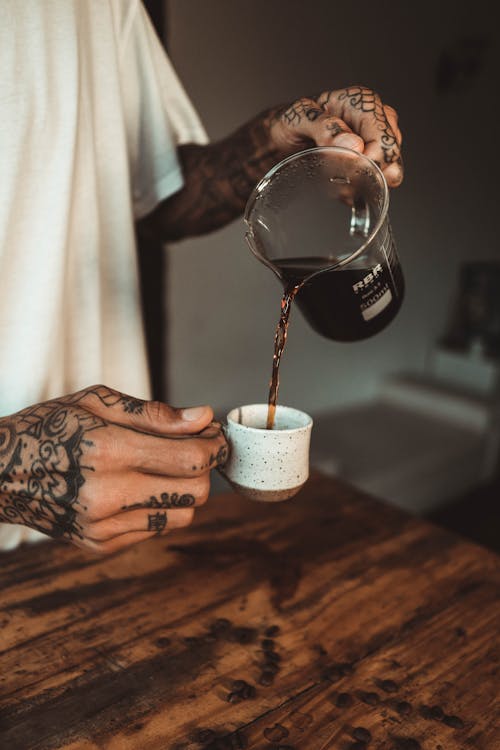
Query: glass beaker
[320,217]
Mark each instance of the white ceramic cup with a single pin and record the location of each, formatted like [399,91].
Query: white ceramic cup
[267,465]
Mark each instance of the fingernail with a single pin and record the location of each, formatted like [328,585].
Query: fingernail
[394,175]
[193,413]
[211,431]
[347,140]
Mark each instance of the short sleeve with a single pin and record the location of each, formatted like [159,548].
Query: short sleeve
[159,116]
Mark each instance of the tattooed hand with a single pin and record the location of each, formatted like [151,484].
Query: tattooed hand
[219,177]
[354,117]
[104,470]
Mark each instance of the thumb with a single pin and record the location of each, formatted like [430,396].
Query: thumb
[162,419]
[146,416]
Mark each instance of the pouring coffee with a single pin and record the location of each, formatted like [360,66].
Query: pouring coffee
[319,221]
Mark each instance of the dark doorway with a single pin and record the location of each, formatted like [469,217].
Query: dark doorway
[153,269]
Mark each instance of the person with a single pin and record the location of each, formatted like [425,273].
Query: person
[96,134]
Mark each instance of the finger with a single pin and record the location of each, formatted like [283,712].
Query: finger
[156,521]
[147,416]
[214,429]
[393,118]
[332,131]
[126,491]
[393,173]
[170,456]
[115,544]
[305,119]
[363,110]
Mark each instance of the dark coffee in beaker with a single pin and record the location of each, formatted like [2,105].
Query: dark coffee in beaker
[321,217]
[345,304]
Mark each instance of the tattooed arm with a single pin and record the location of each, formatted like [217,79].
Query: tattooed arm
[104,470]
[220,177]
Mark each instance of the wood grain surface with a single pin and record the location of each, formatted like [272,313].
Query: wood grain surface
[329,621]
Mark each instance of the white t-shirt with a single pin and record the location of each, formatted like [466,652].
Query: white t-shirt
[91,113]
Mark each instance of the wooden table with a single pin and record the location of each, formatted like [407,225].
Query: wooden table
[331,621]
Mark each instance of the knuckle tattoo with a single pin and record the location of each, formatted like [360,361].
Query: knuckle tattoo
[157,521]
[204,458]
[108,397]
[164,500]
[291,116]
[313,112]
[300,109]
[132,405]
[368,102]
[335,127]
[220,457]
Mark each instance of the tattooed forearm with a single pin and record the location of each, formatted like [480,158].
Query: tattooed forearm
[218,181]
[219,178]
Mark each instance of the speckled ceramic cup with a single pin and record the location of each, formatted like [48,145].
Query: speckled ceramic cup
[267,465]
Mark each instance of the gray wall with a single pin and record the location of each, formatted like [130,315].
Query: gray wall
[235,59]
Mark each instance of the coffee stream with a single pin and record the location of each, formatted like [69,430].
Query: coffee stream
[342,304]
[279,345]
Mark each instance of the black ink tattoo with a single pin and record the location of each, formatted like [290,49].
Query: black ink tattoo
[218,181]
[368,101]
[42,467]
[220,457]
[312,113]
[132,405]
[7,438]
[335,128]
[108,397]
[293,114]
[215,459]
[219,178]
[173,500]
[41,473]
[157,522]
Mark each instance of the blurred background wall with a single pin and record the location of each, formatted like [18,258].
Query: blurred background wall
[435,63]
[236,58]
